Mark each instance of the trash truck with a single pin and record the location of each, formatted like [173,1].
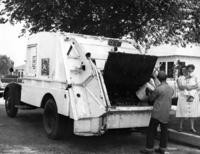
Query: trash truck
[85,84]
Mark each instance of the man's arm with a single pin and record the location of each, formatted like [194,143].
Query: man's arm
[156,81]
[153,95]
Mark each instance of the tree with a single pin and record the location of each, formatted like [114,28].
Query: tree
[149,22]
[5,64]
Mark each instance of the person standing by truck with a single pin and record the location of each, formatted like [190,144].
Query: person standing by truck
[162,98]
[188,107]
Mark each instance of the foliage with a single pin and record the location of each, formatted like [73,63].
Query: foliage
[149,22]
[5,64]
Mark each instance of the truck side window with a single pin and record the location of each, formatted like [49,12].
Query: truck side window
[72,53]
[94,61]
[45,66]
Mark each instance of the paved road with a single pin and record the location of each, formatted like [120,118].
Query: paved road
[24,134]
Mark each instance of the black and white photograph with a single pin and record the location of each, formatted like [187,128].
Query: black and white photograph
[99,77]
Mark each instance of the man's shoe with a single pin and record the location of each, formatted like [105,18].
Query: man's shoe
[160,151]
[146,151]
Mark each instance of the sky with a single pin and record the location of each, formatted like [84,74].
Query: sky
[11,45]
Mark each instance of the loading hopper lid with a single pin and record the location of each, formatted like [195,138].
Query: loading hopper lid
[125,73]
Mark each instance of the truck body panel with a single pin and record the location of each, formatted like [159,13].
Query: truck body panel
[33,91]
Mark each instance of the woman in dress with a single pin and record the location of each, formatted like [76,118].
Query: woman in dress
[188,99]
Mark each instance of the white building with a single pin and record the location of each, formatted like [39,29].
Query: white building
[168,57]
[19,70]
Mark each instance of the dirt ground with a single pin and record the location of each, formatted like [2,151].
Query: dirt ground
[25,134]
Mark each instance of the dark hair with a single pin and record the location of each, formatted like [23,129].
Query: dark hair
[162,76]
[190,66]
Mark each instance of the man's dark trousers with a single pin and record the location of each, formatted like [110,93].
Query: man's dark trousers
[152,132]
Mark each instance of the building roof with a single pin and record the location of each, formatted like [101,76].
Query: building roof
[20,67]
[169,50]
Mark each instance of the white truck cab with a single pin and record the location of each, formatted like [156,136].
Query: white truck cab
[86,84]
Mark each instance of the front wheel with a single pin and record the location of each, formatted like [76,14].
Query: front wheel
[11,110]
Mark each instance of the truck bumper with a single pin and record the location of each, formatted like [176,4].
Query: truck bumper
[126,117]
[115,118]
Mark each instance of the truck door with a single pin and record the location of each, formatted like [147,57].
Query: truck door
[86,95]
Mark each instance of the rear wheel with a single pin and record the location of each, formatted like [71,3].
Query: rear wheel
[55,125]
[11,110]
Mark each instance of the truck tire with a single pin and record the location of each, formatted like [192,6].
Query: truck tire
[51,119]
[11,110]
[56,126]
[12,96]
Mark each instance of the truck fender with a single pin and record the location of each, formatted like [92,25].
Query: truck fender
[13,89]
[45,98]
